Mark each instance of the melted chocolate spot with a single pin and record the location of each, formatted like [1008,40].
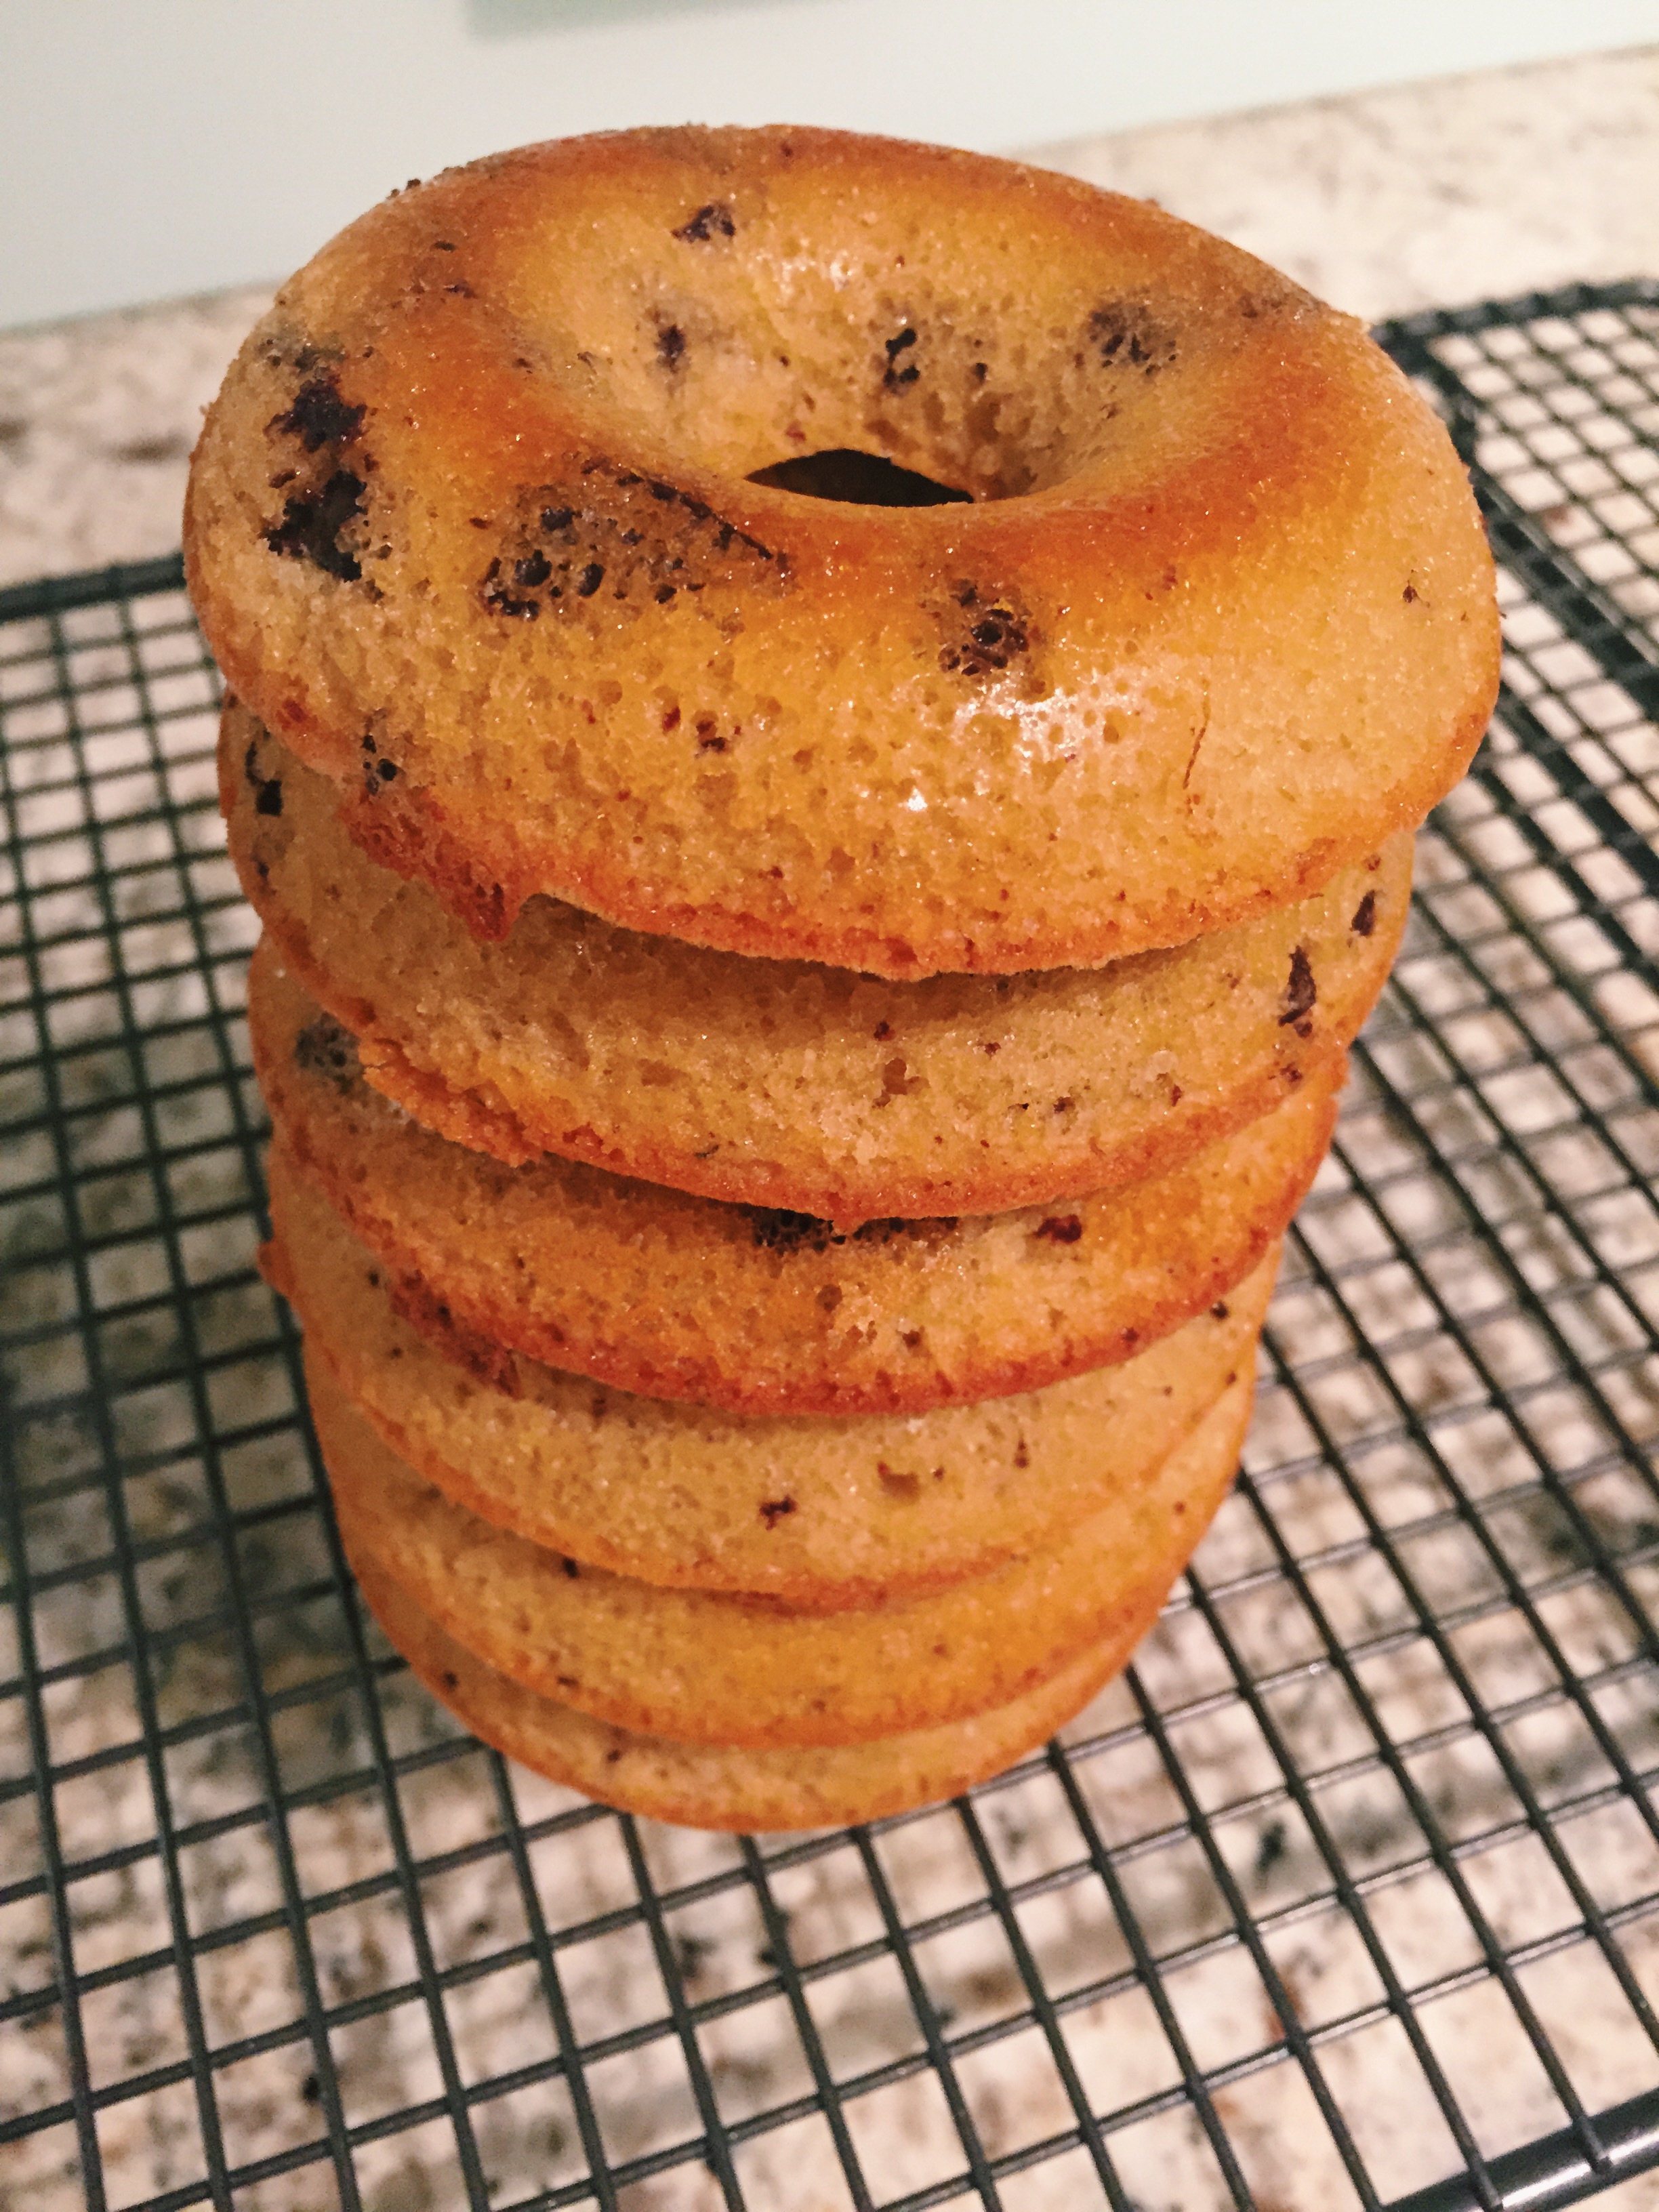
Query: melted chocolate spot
[670,345]
[708,222]
[1060,1227]
[327,1049]
[774,1510]
[267,790]
[312,523]
[1300,994]
[643,539]
[319,417]
[893,377]
[775,1230]
[1127,335]
[997,635]
[1364,916]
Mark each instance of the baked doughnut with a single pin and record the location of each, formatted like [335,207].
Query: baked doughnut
[707,1786]
[761,1312]
[785,1085]
[475,526]
[702,1667]
[827,1514]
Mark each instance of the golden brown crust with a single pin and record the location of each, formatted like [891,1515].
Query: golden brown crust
[827,1514]
[702,1667]
[1218,621]
[782,1084]
[674,1297]
[702,1786]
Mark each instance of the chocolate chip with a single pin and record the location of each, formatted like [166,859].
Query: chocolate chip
[645,540]
[670,345]
[776,1229]
[709,221]
[774,1509]
[1060,1227]
[312,523]
[893,377]
[1364,916]
[995,637]
[267,790]
[327,1049]
[1127,335]
[1300,994]
[318,416]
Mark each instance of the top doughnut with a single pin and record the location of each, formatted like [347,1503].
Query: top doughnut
[474,525]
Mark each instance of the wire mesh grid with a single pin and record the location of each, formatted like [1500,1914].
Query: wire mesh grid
[1348,1893]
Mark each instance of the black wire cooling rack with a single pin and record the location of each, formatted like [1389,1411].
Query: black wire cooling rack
[1351,1885]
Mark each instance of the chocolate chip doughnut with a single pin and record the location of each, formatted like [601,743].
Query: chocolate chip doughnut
[827,1514]
[755,1311]
[715,1786]
[712,1668]
[504,520]
[788,1085]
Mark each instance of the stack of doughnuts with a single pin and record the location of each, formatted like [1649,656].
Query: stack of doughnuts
[826,734]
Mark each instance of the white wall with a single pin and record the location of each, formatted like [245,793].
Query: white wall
[153,148]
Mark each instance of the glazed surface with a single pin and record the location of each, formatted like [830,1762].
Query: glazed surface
[473,527]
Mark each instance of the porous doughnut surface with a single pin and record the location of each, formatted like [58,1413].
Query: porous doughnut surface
[785,1083]
[709,1786]
[706,1667]
[751,1309]
[828,1515]
[473,527]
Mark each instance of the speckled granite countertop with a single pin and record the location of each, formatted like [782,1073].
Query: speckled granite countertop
[1470,188]
[1386,202]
